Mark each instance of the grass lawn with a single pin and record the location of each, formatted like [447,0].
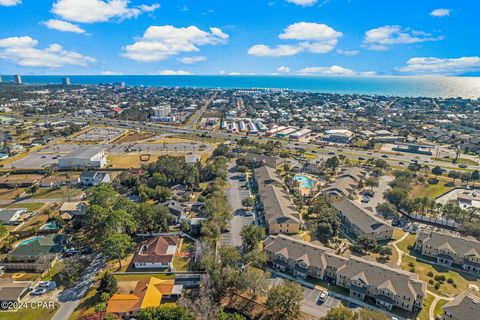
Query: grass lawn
[21,276]
[10,194]
[438,307]
[128,160]
[405,243]
[137,277]
[56,193]
[462,280]
[28,206]
[424,314]
[431,191]
[86,306]
[29,314]
[397,233]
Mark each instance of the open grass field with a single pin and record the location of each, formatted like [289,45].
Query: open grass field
[405,243]
[28,206]
[63,192]
[431,191]
[129,160]
[10,194]
[461,280]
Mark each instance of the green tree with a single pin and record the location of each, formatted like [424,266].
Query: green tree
[251,237]
[475,176]
[372,182]
[366,314]
[386,209]
[108,284]
[117,246]
[339,313]
[220,150]
[437,171]
[248,202]
[332,163]
[327,224]
[221,315]
[165,313]
[102,195]
[283,301]
[454,175]
[254,281]
[3,229]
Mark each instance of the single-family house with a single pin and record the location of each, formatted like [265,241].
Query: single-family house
[157,252]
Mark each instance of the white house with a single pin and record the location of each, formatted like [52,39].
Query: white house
[158,252]
[93,178]
[11,216]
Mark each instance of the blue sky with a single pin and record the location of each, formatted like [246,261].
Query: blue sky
[314,37]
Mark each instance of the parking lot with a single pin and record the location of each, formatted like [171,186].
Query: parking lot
[35,160]
[101,135]
[313,305]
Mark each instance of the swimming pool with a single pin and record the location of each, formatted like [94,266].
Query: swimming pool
[27,241]
[305,182]
[52,225]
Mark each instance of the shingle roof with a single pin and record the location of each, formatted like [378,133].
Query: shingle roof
[465,306]
[156,250]
[363,219]
[462,246]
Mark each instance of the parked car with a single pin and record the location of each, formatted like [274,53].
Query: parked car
[70,252]
[365,199]
[384,156]
[323,296]
[463,166]
[38,291]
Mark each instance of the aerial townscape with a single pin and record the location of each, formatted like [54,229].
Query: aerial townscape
[239,160]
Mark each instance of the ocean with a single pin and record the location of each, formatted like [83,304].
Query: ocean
[440,87]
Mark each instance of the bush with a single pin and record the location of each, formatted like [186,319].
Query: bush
[454,285]
[411,264]
[431,282]
[440,278]
[412,270]
[409,247]
[430,274]
[450,280]
[437,286]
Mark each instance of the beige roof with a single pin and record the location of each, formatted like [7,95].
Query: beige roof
[346,181]
[371,273]
[275,199]
[72,206]
[465,306]
[364,220]
[462,246]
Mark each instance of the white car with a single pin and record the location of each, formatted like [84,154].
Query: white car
[323,296]
[38,291]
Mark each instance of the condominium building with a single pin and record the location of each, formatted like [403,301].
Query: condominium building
[281,215]
[345,184]
[449,249]
[389,287]
[465,306]
[361,222]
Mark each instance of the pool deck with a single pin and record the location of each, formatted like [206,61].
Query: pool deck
[307,191]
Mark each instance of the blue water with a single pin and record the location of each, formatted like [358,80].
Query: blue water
[49,226]
[466,87]
[305,182]
[24,242]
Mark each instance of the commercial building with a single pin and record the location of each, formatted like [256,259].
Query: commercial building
[161,111]
[304,133]
[449,249]
[388,287]
[465,306]
[360,222]
[338,135]
[281,215]
[84,158]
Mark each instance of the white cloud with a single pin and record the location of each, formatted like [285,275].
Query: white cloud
[111,73]
[283,69]
[261,50]
[309,31]
[328,71]
[303,3]
[432,65]
[161,42]
[380,39]
[22,51]
[10,3]
[313,37]
[192,60]
[90,11]
[174,73]
[440,13]
[62,26]
[349,53]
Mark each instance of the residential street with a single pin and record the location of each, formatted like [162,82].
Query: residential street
[235,193]
[70,298]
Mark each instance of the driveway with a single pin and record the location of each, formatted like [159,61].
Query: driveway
[235,193]
[70,298]
[383,186]
[316,308]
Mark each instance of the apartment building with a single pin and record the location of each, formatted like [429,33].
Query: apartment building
[281,215]
[361,222]
[389,287]
[465,306]
[345,184]
[449,249]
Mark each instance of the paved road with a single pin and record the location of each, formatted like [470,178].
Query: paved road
[70,298]
[393,159]
[235,193]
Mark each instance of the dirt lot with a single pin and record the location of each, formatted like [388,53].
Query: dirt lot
[134,137]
